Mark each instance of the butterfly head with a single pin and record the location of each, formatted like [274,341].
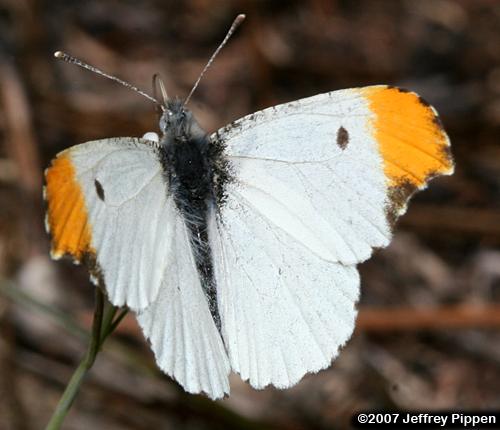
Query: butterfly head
[179,122]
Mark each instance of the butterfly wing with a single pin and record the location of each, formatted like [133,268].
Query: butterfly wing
[329,169]
[109,204]
[180,327]
[284,310]
[316,186]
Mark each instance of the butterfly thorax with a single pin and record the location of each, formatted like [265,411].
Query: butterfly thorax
[185,159]
[195,166]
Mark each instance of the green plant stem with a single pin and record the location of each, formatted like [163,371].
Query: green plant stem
[112,326]
[109,313]
[102,326]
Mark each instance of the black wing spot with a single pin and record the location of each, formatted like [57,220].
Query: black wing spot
[342,138]
[99,189]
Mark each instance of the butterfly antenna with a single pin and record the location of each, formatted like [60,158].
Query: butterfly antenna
[72,60]
[158,82]
[238,20]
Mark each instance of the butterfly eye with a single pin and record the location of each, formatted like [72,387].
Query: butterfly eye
[164,122]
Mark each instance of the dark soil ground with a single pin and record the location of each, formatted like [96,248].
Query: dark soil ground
[428,330]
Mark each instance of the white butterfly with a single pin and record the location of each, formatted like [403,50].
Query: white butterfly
[238,250]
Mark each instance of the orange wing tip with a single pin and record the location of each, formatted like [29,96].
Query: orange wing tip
[66,219]
[412,142]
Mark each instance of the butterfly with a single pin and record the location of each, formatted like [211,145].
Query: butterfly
[237,250]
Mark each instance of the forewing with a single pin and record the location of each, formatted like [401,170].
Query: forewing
[180,327]
[108,204]
[335,170]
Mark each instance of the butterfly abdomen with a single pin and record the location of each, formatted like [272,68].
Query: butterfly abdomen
[188,169]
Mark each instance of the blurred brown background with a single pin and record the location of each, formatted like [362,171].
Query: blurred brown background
[428,331]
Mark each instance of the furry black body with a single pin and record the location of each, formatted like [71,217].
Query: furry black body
[191,166]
